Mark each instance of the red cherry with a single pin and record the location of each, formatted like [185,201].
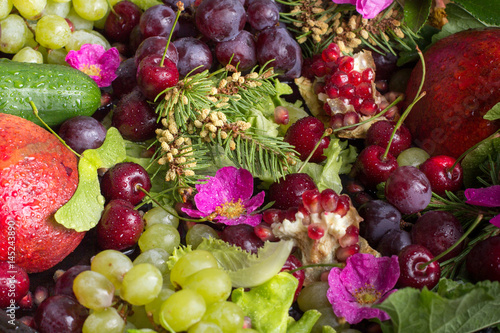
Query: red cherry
[304,134]
[413,273]
[371,168]
[441,176]
[293,263]
[287,192]
[153,79]
[123,180]
[380,133]
[483,261]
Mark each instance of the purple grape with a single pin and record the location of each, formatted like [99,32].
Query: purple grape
[120,22]
[158,20]
[60,313]
[125,80]
[64,283]
[155,46]
[379,217]
[393,241]
[241,49]
[193,53]
[262,14]
[82,132]
[408,189]
[220,20]
[278,45]
[242,235]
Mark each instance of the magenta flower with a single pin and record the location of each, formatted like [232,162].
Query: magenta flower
[96,62]
[485,197]
[367,8]
[227,198]
[364,281]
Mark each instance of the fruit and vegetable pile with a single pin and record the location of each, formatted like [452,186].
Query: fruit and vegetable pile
[249,166]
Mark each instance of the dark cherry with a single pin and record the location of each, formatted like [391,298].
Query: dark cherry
[158,20]
[287,192]
[380,133]
[304,134]
[60,313]
[64,283]
[153,77]
[442,177]
[134,117]
[120,226]
[240,51]
[82,132]
[14,284]
[262,14]
[122,181]
[378,218]
[220,20]
[156,45]
[372,168]
[483,261]
[438,231]
[126,79]
[194,56]
[120,22]
[135,39]
[293,263]
[242,235]
[393,241]
[412,273]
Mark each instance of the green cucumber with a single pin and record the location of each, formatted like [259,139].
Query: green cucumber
[59,92]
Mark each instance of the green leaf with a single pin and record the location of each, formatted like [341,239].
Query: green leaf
[267,305]
[416,13]
[472,161]
[456,307]
[83,211]
[493,113]
[245,269]
[486,11]
[305,323]
[458,20]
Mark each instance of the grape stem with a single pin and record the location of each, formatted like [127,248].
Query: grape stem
[478,219]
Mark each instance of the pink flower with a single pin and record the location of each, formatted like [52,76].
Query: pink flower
[227,198]
[96,62]
[367,8]
[364,281]
[485,197]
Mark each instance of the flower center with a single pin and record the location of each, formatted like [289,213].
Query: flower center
[231,209]
[367,295]
[91,70]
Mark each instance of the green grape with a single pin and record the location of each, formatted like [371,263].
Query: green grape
[78,22]
[113,265]
[27,54]
[182,310]
[57,8]
[157,257]
[246,330]
[198,232]
[159,215]
[91,10]
[212,283]
[107,320]
[52,32]
[141,284]
[204,327]
[93,290]
[30,9]
[57,57]
[139,317]
[14,34]
[191,263]
[313,296]
[413,156]
[227,315]
[80,37]
[99,24]
[5,8]
[153,308]
[160,236]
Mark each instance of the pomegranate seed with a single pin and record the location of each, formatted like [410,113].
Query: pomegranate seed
[332,91]
[343,205]
[382,86]
[343,253]
[336,121]
[350,118]
[315,231]
[324,276]
[329,199]
[346,63]
[368,75]
[26,302]
[354,77]
[319,87]
[364,90]
[361,198]
[347,91]
[351,236]
[264,232]
[71,25]
[271,216]
[391,113]
[311,201]
[281,115]
[327,109]
[319,68]
[356,102]
[339,78]
[289,214]
[307,218]
[331,53]
[368,107]
[354,187]
[41,293]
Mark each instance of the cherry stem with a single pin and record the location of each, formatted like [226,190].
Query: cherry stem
[35,111]
[460,240]
[326,133]
[180,8]
[339,265]
[405,114]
